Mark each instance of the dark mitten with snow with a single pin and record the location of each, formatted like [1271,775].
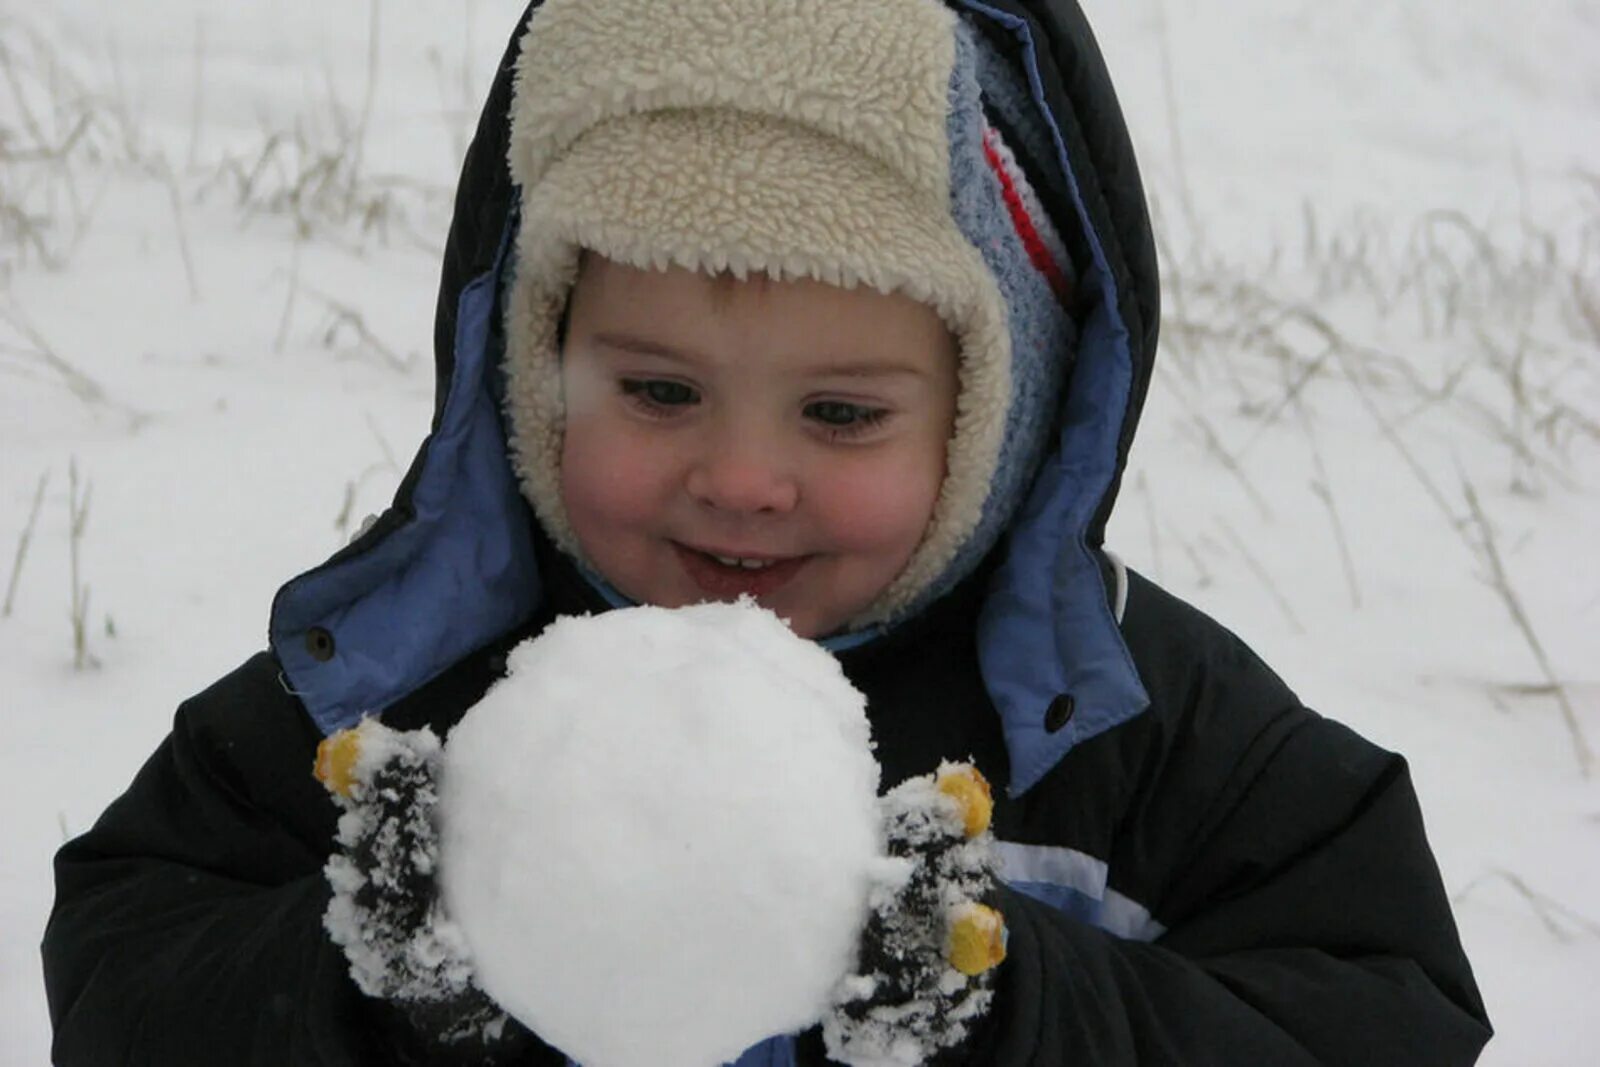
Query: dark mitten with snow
[386,911]
[924,975]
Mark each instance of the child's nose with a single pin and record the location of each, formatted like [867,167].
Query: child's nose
[744,475]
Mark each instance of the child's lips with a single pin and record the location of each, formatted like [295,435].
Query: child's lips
[722,581]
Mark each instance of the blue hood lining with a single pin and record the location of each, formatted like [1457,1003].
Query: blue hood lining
[460,571]
[1047,629]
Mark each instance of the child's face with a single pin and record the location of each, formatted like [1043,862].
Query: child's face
[791,425]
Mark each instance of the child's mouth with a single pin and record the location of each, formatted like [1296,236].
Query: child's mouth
[727,576]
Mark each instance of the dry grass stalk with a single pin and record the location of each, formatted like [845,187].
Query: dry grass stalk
[1142,485]
[1560,920]
[175,198]
[1203,575]
[293,291]
[1500,581]
[341,316]
[1322,488]
[1260,571]
[364,123]
[22,545]
[353,487]
[78,523]
[1213,443]
[77,382]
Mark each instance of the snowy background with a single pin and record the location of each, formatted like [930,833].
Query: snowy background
[1370,446]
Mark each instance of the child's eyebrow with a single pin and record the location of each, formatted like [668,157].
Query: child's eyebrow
[640,346]
[866,369]
[862,368]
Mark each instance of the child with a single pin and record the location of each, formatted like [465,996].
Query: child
[849,305]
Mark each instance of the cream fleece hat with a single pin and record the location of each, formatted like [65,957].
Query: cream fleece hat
[838,140]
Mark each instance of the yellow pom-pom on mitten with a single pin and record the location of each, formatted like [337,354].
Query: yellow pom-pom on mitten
[977,939]
[336,761]
[969,789]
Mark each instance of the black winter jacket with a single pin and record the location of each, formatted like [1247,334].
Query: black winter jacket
[1200,870]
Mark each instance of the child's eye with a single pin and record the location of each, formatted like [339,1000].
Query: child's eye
[659,395]
[840,418]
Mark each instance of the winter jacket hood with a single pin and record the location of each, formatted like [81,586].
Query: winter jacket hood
[450,565]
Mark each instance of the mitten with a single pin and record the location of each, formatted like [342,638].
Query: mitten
[386,913]
[924,972]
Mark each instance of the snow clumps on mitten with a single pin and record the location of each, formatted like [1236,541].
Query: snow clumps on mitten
[924,975]
[385,911]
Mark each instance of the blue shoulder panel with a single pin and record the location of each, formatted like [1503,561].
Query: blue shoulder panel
[458,574]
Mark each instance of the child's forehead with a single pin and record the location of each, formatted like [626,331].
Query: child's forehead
[804,326]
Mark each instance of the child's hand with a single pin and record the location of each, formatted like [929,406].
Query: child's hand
[386,912]
[931,944]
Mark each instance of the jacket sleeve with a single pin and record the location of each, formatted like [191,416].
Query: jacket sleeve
[1337,951]
[187,926]
[1302,916]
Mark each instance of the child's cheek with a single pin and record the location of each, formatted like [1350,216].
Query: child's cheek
[881,505]
[612,483]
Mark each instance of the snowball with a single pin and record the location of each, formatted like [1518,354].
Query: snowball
[660,833]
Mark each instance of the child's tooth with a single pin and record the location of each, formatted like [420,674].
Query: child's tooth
[743,564]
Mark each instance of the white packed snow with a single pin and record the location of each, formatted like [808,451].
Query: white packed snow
[660,833]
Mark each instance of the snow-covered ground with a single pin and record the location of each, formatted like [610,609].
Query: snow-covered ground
[1371,448]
